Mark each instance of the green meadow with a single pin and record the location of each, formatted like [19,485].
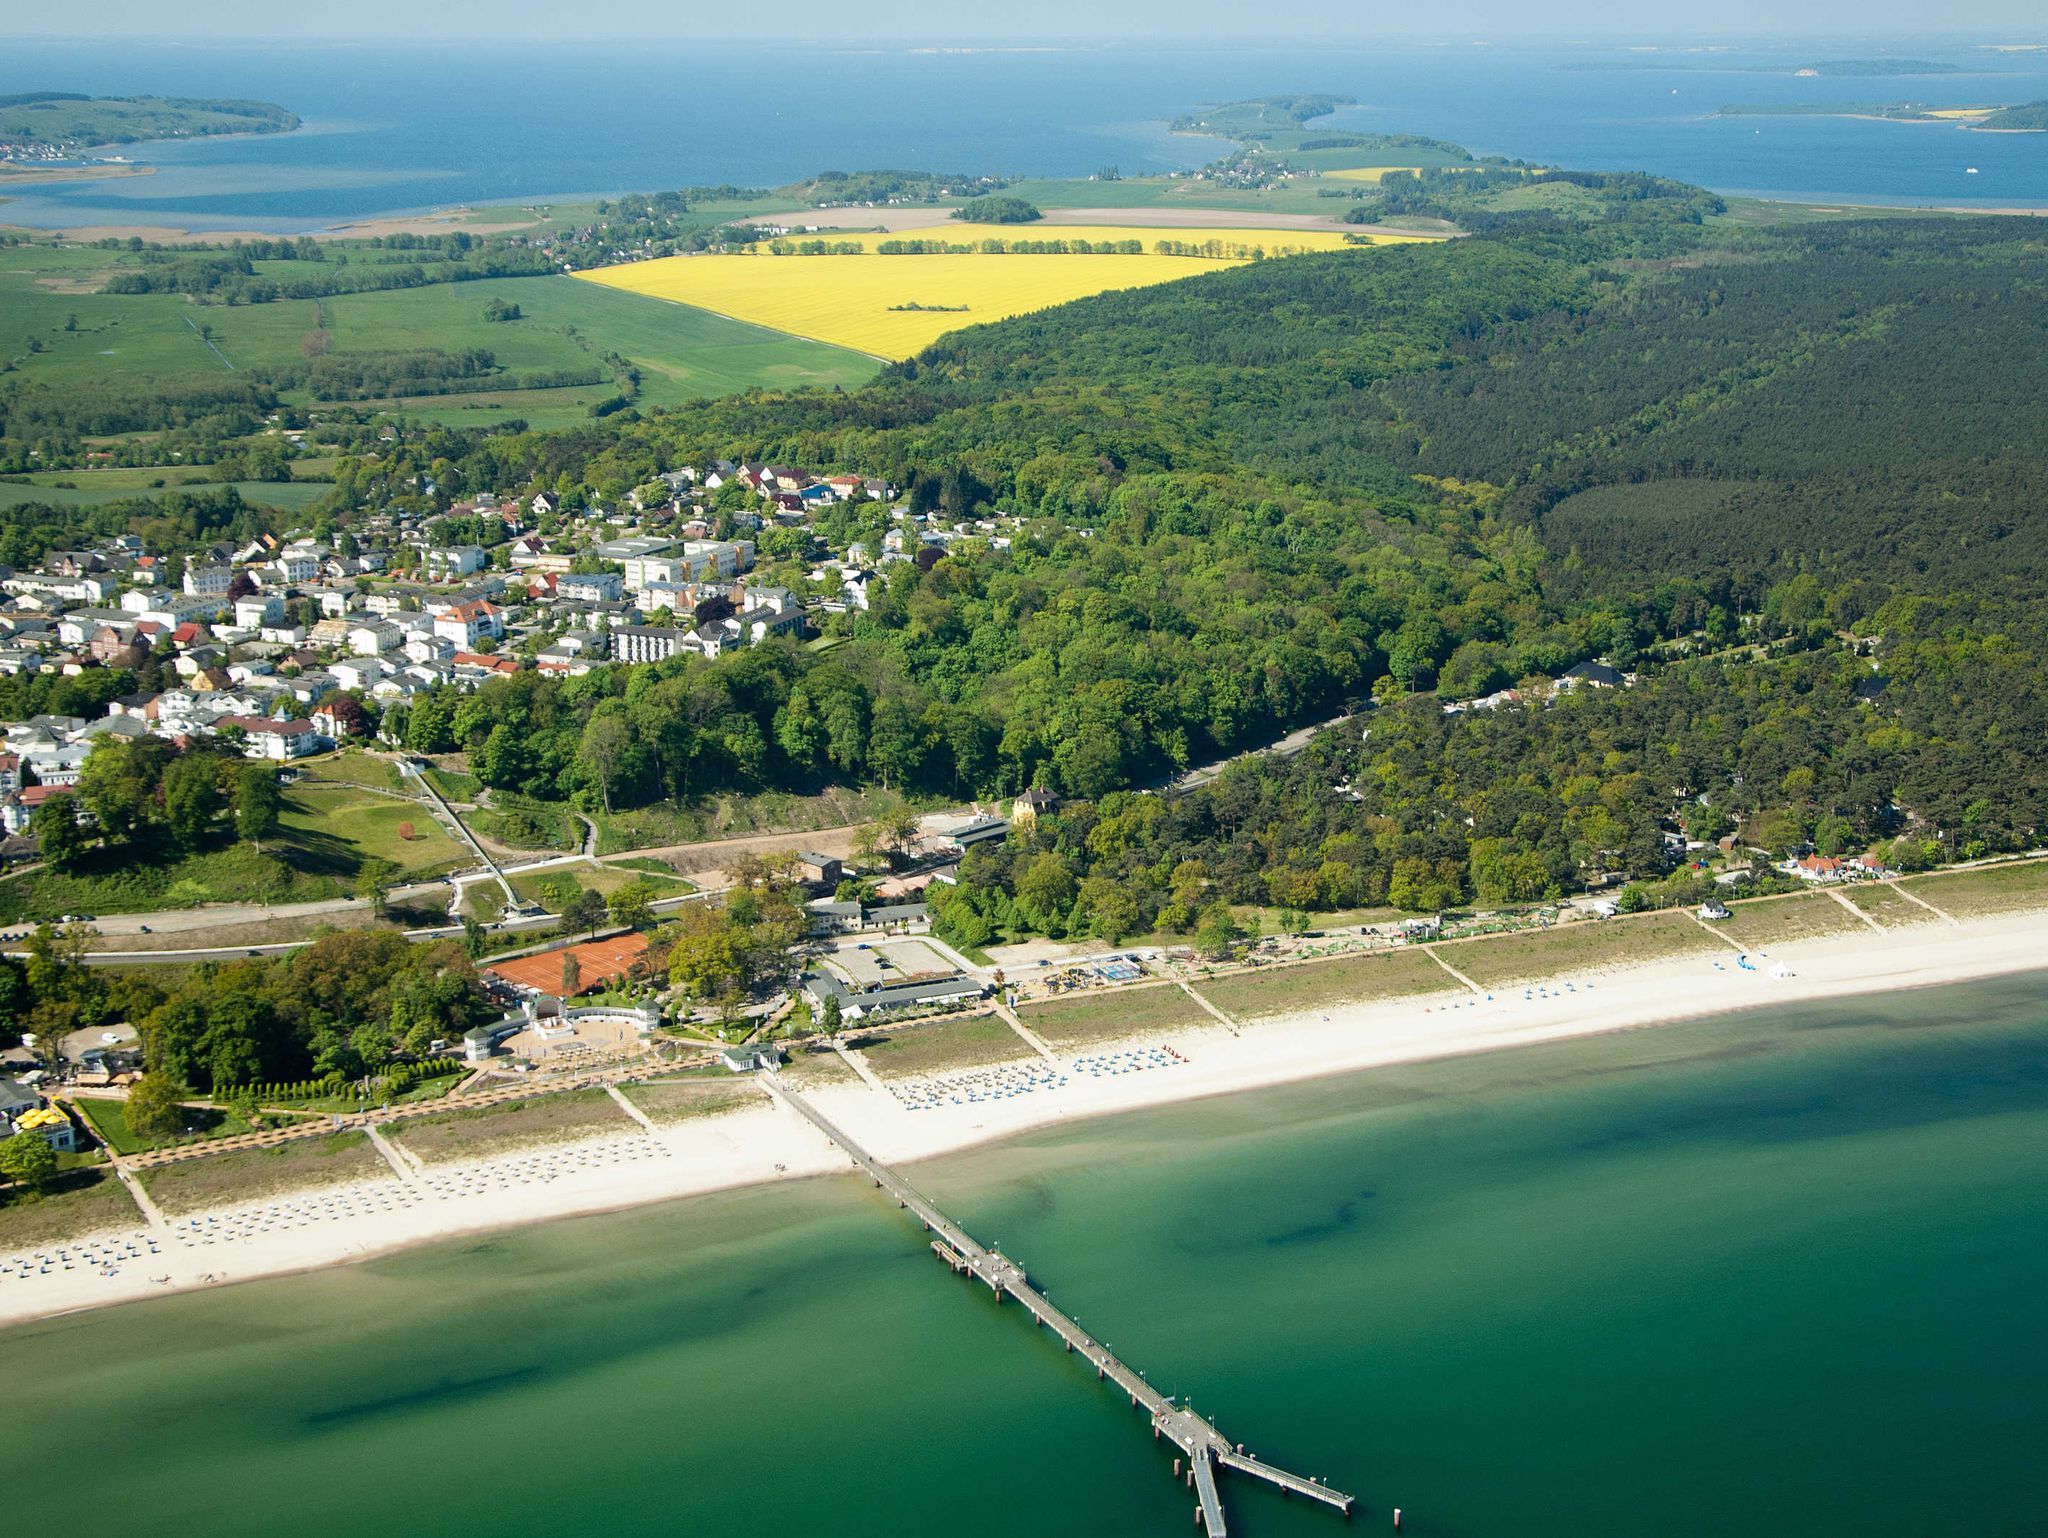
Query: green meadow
[56,329]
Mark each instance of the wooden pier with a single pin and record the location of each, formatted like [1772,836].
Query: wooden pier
[1204,1447]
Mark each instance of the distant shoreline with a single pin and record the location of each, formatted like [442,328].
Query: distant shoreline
[768,1143]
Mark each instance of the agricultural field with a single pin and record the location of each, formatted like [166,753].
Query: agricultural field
[55,328]
[79,489]
[856,300]
[1318,984]
[1369,174]
[681,356]
[1114,1013]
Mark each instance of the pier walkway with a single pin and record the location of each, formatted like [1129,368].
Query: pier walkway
[1205,1448]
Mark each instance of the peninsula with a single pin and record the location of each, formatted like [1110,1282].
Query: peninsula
[60,125]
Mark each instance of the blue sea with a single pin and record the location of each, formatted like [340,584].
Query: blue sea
[399,129]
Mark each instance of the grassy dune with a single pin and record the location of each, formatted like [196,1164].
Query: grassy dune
[1584,947]
[1106,1016]
[255,1173]
[1318,984]
[942,1045]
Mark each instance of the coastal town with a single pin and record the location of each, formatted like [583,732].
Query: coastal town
[291,646]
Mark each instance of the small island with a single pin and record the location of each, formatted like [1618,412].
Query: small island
[61,125]
[2030,117]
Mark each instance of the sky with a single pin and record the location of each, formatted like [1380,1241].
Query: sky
[1043,21]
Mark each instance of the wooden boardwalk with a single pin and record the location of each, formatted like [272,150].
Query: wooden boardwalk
[1204,1447]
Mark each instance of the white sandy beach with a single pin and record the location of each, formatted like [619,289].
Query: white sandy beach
[633,1166]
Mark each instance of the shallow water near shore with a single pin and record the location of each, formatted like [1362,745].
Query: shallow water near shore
[1778,1271]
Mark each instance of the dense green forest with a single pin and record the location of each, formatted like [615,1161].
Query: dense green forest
[1790,477]
[1259,496]
[2029,117]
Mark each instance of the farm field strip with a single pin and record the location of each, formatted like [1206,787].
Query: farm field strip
[852,301]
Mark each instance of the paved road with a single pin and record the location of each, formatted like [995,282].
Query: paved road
[1286,747]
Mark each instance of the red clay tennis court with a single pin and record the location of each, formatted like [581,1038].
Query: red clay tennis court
[599,961]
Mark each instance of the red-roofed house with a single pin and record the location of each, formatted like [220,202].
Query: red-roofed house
[1820,867]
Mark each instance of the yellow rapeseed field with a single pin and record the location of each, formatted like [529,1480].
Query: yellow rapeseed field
[1381,173]
[850,300]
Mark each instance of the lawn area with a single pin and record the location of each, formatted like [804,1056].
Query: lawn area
[1143,1010]
[1995,889]
[490,1129]
[352,768]
[327,831]
[1889,906]
[137,885]
[680,1100]
[935,1046]
[332,830]
[109,1122]
[1319,984]
[1580,947]
[550,886]
[1764,922]
[254,1173]
[86,1201]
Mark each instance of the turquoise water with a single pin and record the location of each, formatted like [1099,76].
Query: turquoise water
[391,127]
[1778,1273]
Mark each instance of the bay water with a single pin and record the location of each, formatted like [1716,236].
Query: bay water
[401,128]
[1778,1272]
